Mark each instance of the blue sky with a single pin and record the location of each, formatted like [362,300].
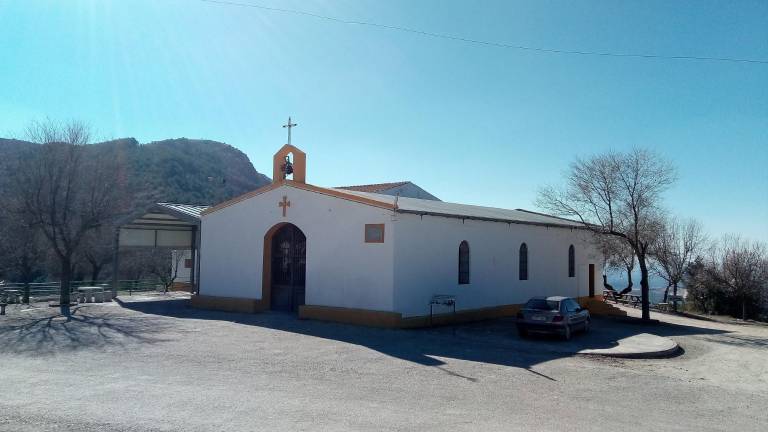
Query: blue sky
[469,123]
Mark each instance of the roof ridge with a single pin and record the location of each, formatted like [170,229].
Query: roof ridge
[342,194]
[374,186]
[547,215]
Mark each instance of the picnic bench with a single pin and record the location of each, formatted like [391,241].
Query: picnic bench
[91,294]
[672,304]
[3,300]
[627,299]
[12,296]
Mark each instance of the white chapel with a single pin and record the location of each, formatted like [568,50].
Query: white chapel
[380,254]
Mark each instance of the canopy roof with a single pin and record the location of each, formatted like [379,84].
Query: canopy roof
[162,225]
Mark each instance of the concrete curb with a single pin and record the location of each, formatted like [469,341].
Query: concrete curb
[642,346]
[667,353]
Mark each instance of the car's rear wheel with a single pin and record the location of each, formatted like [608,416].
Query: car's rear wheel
[567,332]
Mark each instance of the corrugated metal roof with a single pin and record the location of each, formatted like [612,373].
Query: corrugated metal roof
[376,187]
[417,206]
[187,209]
[465,211]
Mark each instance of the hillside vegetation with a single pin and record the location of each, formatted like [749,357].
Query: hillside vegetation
[175,170]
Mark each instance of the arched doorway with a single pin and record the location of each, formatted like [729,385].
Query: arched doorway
[288,265]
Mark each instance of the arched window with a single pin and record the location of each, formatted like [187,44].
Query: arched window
[463,263]
[523,262]
[571,262]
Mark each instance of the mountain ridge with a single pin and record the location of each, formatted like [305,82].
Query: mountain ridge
[179,170]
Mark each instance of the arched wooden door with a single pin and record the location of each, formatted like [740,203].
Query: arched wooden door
[288,269]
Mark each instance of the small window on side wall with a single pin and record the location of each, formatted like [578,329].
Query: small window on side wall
[523,265]
[571,262]
[464,263]
[374,233]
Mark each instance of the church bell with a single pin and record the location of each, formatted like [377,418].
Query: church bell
[288,166]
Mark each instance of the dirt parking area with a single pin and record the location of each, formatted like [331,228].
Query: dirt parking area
[157,365]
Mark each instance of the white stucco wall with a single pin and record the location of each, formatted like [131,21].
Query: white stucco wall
[342,270]
[426,262]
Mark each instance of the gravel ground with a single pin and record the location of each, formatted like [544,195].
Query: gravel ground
[158,366]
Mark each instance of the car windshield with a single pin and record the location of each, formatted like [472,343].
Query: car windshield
[542,304]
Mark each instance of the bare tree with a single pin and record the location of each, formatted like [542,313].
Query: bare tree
[98,250]
[22,255]
[741,266]
[134,264]
[63,193]
[678,243]
[618,256]
[164,264]
[616,194]
[703,292]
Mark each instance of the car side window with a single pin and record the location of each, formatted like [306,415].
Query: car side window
[572,305]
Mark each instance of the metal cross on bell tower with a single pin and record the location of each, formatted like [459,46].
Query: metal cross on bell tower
[289,126]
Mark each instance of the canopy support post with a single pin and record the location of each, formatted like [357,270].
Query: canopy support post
[116,263]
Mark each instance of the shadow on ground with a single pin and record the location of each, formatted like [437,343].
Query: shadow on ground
[493,342]
[44,331]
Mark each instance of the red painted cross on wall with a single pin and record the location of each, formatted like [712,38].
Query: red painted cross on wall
[284,204]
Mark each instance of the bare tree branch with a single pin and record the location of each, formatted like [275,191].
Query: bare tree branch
[64,191]
[619,195]
[676,246]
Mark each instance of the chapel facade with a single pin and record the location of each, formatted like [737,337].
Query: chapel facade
[378,258]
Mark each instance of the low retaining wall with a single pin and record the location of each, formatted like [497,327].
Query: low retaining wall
[182,286]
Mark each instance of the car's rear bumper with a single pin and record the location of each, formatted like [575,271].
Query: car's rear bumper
[542,327]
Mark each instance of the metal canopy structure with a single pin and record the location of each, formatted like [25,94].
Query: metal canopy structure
[161,225]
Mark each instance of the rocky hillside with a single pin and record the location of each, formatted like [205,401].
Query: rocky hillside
[175,170]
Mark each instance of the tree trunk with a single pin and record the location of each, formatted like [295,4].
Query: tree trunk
[644,289]
[674,294]
[95,272]
[115,263]
[629,279]
[26,293]
[66,276]
[27,276]
[666,293]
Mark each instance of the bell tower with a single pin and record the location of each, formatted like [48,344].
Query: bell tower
[282,165]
